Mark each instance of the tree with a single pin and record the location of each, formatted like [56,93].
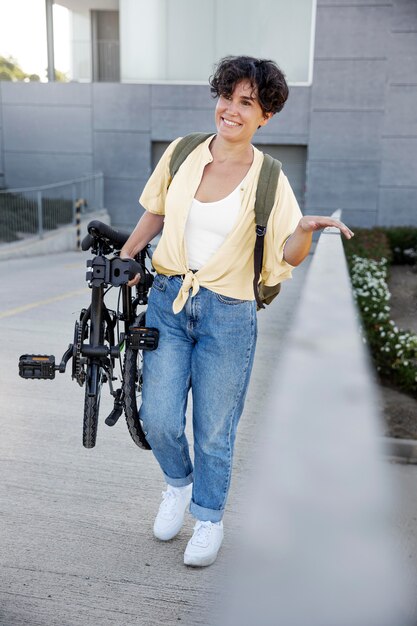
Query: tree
[11,70]
[60,77]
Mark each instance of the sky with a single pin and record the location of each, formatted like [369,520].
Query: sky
[23,35]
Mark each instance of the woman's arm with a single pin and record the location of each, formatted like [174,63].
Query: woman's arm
[146,229]
[298,245]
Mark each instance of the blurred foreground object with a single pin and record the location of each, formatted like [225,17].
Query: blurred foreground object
[319,547]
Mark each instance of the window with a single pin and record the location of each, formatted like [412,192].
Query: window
[105,46]
[179,40]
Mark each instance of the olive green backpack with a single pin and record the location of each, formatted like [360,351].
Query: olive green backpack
[265,198]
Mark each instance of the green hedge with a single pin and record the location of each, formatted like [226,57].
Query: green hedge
[369,255]
[369,244]
[403,244]
[397,244]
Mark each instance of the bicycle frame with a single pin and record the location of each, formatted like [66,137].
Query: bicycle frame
[94,360]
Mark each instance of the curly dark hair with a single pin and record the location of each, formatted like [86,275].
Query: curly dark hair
[264,75]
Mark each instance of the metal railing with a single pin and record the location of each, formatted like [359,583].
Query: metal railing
[32,211]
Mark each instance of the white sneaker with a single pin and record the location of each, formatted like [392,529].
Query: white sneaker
[171,512]
[204,545]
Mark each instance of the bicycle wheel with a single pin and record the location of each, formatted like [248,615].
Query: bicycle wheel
[95,372]
[132,391]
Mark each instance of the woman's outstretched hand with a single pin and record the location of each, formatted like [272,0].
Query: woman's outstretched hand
[298,245]
[311,223]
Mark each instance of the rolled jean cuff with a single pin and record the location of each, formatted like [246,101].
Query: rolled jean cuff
[179,482]
[205,515]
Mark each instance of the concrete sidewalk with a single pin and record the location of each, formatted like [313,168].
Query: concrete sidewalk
[76,524]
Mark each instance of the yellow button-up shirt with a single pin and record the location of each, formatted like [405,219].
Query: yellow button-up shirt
[230,270]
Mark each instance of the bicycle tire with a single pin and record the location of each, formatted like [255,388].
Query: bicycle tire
[96,331]
[132,373]
[91,411]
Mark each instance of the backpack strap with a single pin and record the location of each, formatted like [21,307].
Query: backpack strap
[264,201]
[183,148]
[265,198]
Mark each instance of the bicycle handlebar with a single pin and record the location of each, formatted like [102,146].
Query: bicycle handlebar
[86,243]
[99,229]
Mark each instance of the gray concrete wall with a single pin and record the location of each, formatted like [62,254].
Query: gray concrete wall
[363,142]
[54,132]
[47,132]
[398,179]
[358,120]
[122,145]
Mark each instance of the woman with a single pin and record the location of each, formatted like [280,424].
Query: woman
[202,299]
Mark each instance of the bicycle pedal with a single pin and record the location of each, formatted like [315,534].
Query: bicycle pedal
[142,338]
[39,366]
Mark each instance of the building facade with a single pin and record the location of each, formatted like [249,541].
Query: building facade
[347,136]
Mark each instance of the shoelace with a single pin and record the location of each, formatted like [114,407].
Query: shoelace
[169,499]
[202,531]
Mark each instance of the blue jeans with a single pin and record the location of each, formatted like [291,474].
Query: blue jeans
[209,347]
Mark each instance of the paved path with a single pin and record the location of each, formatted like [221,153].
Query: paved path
[76,524]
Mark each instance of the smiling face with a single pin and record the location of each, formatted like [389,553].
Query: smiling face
[239,115]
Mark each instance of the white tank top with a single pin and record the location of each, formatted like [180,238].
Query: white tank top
[208,225]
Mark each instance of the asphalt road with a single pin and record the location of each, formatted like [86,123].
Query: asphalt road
[76,524]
